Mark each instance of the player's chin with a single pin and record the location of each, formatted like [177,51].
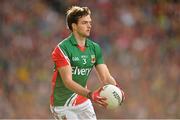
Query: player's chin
[88,34]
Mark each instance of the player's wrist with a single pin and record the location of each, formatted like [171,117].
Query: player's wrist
[89,95]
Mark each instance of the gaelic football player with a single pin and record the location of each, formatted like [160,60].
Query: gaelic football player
[74,57]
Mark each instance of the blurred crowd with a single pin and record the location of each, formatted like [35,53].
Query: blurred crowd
[140,41]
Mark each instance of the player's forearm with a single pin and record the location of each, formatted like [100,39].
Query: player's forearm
[112,80]
[104,74]
[66,75]
[109,80]
[70,84]
[107,77]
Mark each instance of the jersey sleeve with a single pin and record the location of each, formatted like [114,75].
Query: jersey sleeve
[59,57]
[99,56]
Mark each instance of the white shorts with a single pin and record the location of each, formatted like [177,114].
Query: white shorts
[80,112]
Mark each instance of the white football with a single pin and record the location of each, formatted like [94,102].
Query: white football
[113,94]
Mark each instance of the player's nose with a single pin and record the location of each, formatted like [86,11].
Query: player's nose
[89,25]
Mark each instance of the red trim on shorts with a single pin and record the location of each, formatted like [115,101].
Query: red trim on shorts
[79,100]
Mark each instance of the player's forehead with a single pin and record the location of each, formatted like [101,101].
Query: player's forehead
[86,18]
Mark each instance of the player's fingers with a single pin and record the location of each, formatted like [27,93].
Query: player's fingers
[104,100]
[102,103]
[100,89]
[101,98]
[123,96]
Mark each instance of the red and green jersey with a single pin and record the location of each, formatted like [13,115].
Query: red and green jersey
[81,60]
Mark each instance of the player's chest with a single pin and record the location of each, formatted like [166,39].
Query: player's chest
[82,59]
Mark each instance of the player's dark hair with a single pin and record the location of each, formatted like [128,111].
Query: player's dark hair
[74,13]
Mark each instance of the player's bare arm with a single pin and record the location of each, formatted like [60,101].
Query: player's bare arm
[104,74]
[66,74]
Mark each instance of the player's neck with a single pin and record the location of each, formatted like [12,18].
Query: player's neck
[80,39]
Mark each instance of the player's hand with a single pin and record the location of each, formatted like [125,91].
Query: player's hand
[123,96]
[95,97]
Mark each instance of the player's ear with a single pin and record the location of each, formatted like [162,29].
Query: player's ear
[74,26]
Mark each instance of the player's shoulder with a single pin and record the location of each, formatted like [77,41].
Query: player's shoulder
[64,42]
[92,43]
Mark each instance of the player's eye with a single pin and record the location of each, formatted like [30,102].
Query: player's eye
[84,22]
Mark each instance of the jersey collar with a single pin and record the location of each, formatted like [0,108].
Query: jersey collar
[74,42]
